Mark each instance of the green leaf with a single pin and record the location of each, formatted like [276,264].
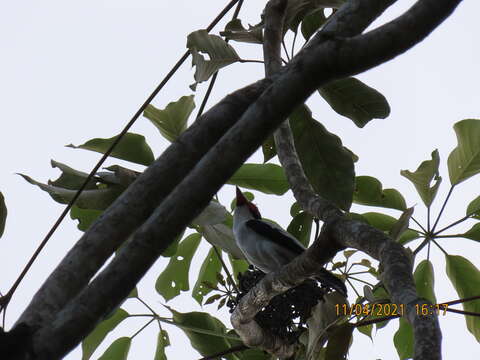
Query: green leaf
[162,342]
[208,272]
[425,281]
[97,199]
[353,99]
[3,214]
[91,342]
[401,225]
[85,217]
[366,330]
[175,276]
[326,163]
[465,278]
[234,30]
[267,178]
[220,53]
[473,208]
[423,176]
[301,227]
[239,266]
[473,233]
[268,148]
[172,120]
[385,223]
[297,10]
[368,191]
[205,332]
[132,147]
[403,340]
[70,178]
[312,22]
[118,350]
[339,342]
[464,160]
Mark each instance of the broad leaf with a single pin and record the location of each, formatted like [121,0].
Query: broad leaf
[3,214]
[238,266]
[234,30]
[312,22]
[423,177]
[465,278]
[220,54]
[353,99]
[175,276]
[339,342]
[132,147]
[162,342]
[268,148]
[97,199]
[368,191]
[208,272]
[118,350]
[172,120]
[386,223]
[326,163]
[301,227]
[85,217]
[473,233]
[425,280]
[403,340]
[206,333]
[464,160]
[91,342]
[473,208]
[267,178]
[401,225]
[297,10]
[70,178]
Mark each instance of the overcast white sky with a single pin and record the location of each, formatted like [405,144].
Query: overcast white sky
[74,70]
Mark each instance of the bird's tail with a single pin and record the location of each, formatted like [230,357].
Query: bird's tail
[330,280]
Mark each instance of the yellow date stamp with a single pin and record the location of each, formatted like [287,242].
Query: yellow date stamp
[388,309]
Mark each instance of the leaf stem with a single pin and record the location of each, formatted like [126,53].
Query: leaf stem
[443,207]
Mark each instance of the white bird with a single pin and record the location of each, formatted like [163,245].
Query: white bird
[267,246]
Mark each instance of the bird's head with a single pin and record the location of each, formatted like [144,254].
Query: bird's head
[242,201]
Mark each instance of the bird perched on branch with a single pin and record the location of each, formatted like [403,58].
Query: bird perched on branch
[267,246]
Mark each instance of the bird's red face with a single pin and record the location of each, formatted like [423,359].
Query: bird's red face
[242,200]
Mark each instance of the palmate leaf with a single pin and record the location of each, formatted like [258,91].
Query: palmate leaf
[473,209]
[211,266]
[297,10]
[355,100]
[91,342]
[234,30]
[118,350]
[301,227]
[172,120]
[132,147]
[162,342]
[312,22]
[327,164]
[464,160]
[386,223]
[369,191]
[206,333]
[175,276]
[221,54]
[423,176]
[465,278]
[267,178]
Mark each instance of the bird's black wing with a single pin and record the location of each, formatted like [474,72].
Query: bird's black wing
[276,235]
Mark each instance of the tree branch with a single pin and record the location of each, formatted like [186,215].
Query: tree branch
[318,63]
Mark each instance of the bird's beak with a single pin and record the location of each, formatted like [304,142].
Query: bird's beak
[241,200]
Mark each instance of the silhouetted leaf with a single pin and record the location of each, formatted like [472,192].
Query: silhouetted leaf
[423,176]
[234,30]
[175,276]
[118,350]
[208,272]
[464,160]
[368,191]
[162,342]
[172,120]
[353,99]
[267,178]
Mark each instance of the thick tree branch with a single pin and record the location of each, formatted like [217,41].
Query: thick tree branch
[315,66]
